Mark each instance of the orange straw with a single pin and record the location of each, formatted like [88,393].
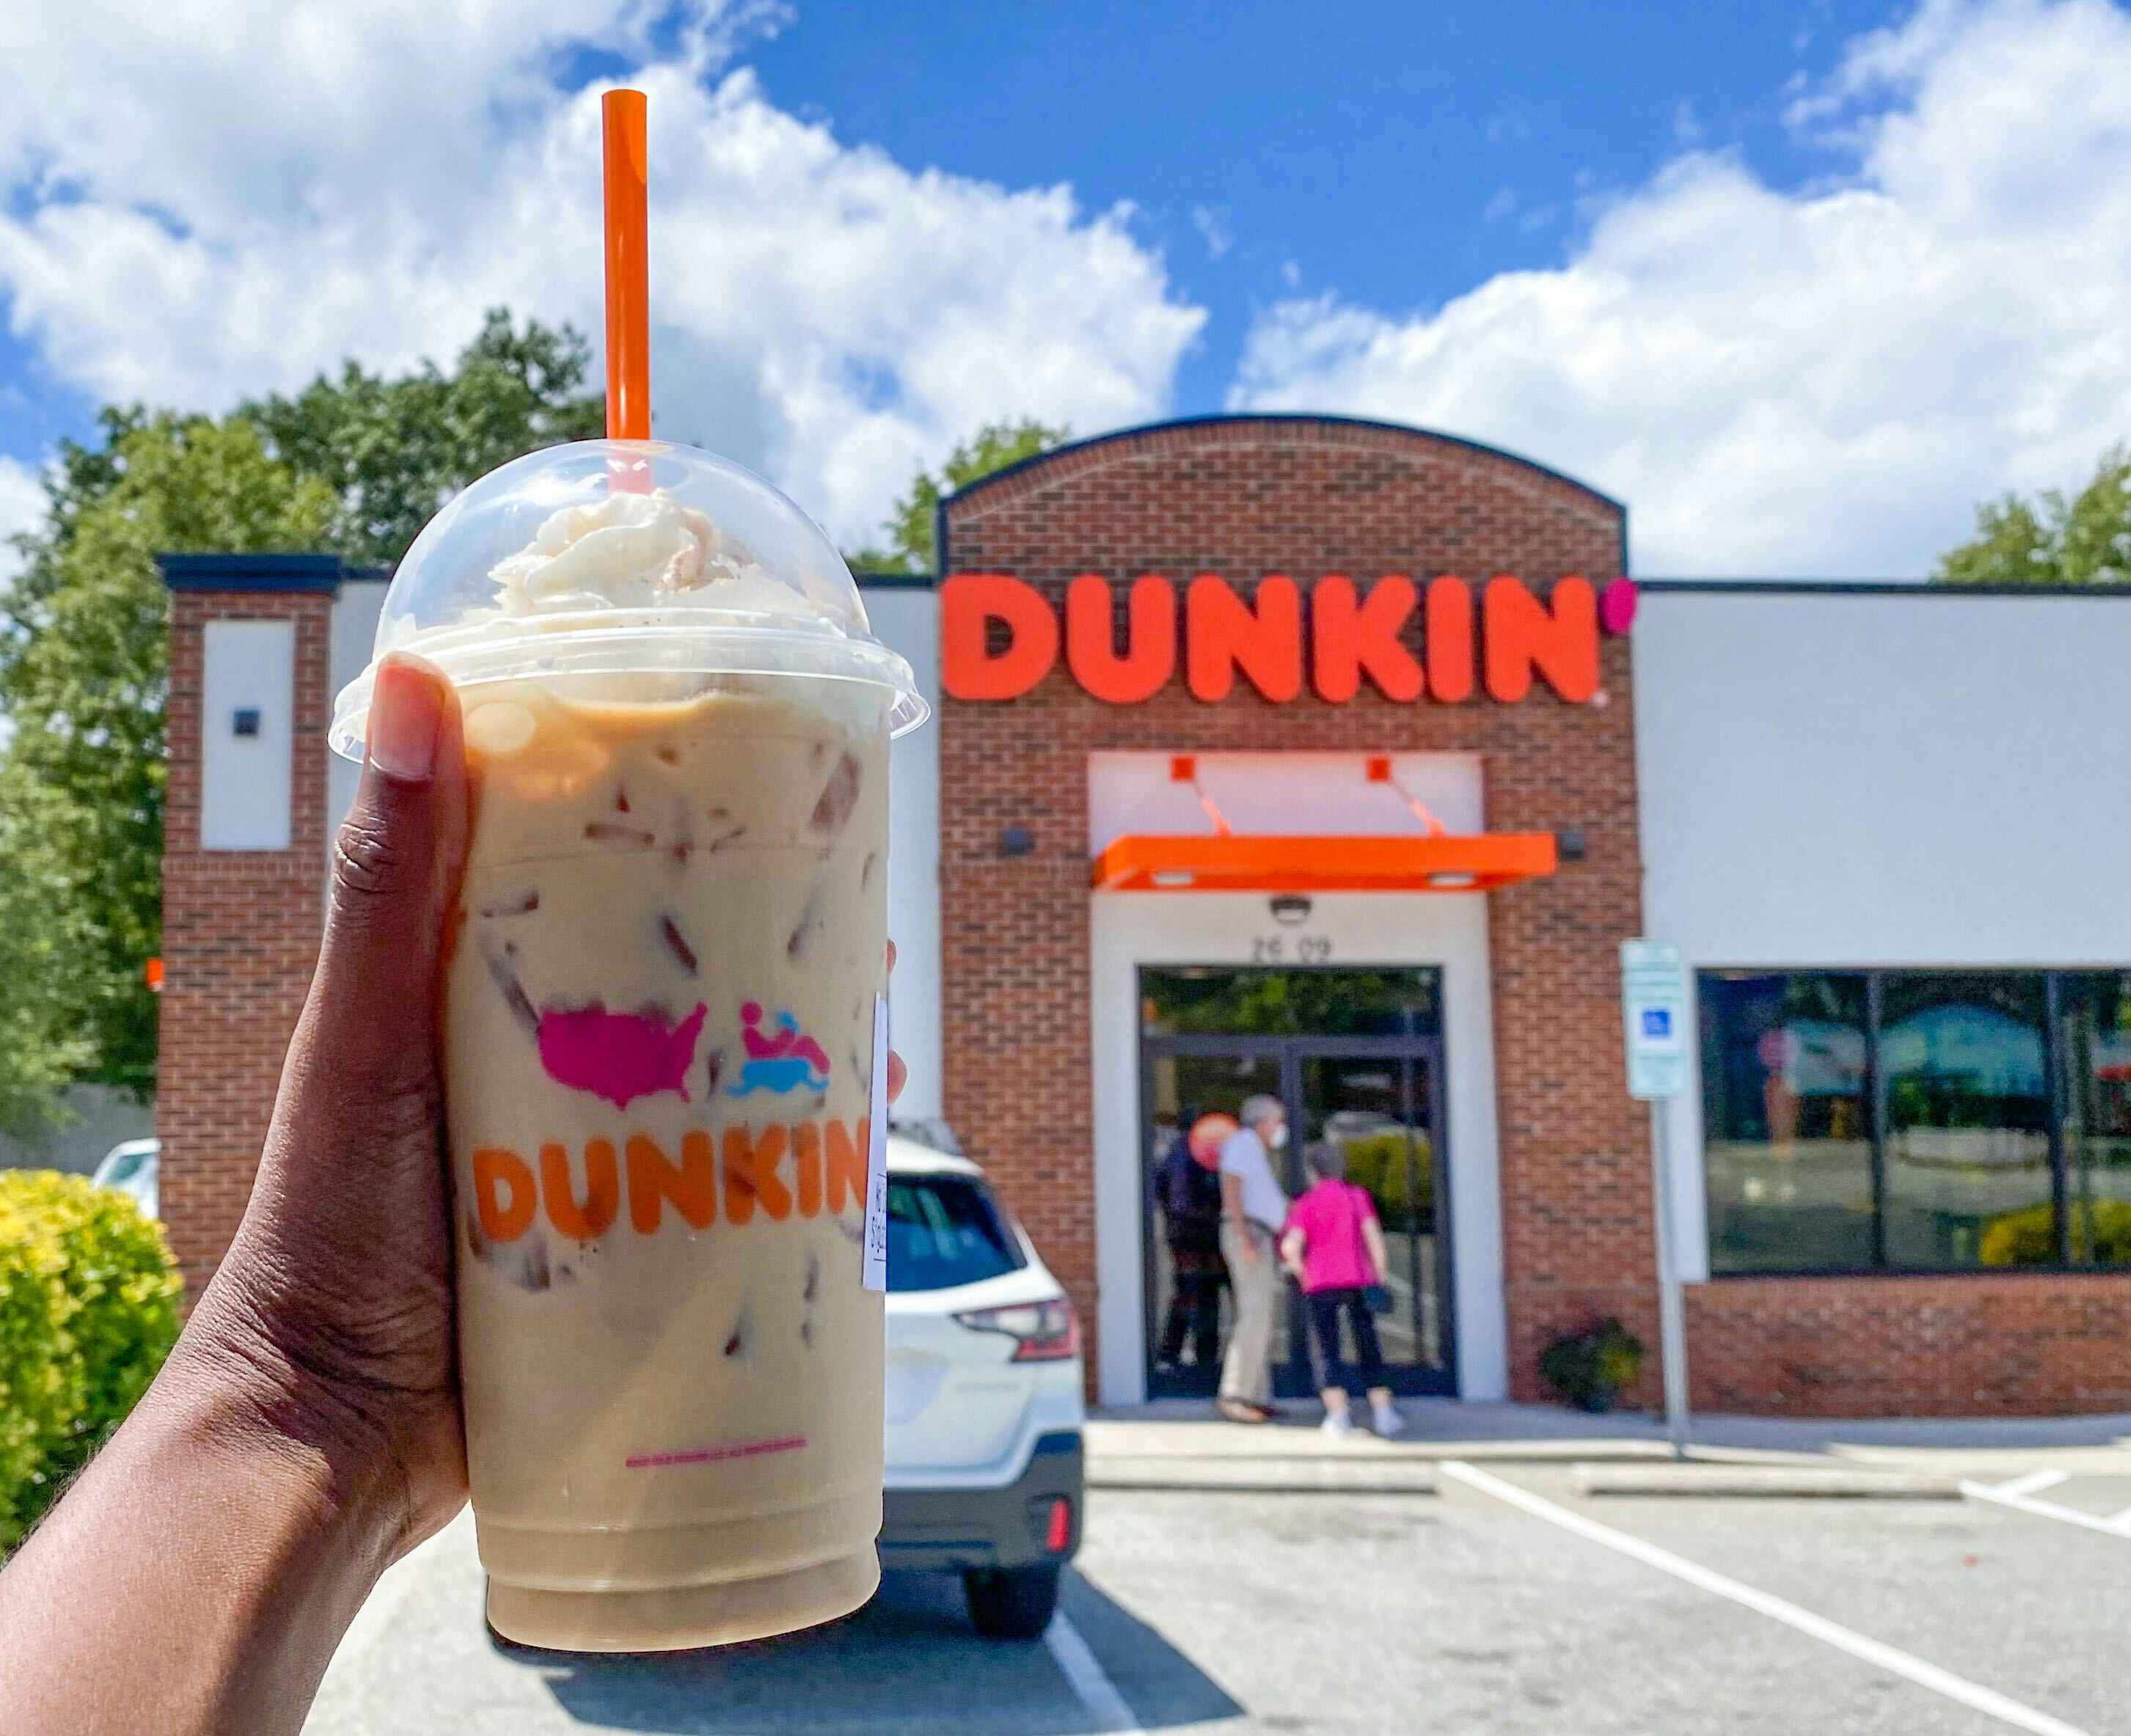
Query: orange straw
[628,270]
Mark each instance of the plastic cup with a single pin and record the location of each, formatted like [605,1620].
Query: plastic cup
[664,1041]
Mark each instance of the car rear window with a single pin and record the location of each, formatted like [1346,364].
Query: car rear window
[943,1229]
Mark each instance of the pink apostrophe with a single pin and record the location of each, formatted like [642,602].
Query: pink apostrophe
[1617,606]
[620,1056]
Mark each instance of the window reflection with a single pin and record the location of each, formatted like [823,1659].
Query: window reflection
[1971,1069]
[1226,1000]
[1968,1115]
[1786,1120]
[2094,1048]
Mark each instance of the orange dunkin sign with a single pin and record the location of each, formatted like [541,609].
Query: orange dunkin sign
[1000,637]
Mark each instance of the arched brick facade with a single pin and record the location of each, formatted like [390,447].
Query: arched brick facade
[1243,498]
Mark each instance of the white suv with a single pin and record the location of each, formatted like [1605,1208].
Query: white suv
[985,1475]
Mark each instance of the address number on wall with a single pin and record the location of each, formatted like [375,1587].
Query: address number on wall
[1290,949]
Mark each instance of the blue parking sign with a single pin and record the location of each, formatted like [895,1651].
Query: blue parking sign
[1654,1008]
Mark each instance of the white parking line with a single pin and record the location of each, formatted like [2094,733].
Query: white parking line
[2033,1482]
[2010,1495]
[1089,1681]
[1972,1695]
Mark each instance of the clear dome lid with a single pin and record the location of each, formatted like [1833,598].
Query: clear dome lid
[619,558]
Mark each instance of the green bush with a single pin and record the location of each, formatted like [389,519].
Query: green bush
[89,1309]
[1377,1162]
[2101,1235]
[1589,1368]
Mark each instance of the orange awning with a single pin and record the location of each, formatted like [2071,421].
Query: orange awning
[1404,863]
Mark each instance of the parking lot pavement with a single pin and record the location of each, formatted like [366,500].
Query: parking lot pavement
[1241,1612]
[422,1662]
[2100,1503]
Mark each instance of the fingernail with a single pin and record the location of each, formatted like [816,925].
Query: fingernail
[406,717]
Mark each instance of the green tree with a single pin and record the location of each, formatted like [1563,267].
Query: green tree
[2082,539]
[83,674]
[40,1053]
[353,466]
[909,525]
[393,451]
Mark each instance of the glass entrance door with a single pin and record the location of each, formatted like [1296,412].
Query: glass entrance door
[1195,1099]
[1380,1109]
[1367,1079]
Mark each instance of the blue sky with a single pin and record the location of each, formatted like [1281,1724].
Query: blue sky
[1801,282]
[1398,153]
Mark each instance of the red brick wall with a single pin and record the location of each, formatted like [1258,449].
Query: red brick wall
[1244,499]
[2025,1344]
[240,938]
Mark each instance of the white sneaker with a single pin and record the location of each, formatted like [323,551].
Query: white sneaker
[1388,1421]
[1336,1426]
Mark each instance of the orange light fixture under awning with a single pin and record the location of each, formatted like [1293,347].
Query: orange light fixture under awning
[1440,861]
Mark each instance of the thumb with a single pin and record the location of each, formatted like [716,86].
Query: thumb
[396,863]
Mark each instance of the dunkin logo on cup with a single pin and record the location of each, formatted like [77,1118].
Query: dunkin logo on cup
[740,1174]
[619,1057]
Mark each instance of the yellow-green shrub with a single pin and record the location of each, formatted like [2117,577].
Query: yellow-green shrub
[1377,1161]
[2101,1233]
[89,1309]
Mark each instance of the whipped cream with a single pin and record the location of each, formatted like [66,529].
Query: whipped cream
[624,552]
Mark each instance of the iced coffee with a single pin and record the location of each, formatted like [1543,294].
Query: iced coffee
[663,1050]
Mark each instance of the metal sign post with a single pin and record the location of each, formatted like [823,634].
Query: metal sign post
[1654,1007]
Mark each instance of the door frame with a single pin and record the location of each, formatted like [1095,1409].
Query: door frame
[1291,1379]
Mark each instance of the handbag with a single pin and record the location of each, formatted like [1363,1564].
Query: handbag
[1375,1298]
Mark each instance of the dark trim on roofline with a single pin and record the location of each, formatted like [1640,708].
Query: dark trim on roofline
[298,572]
[895,581]
[1619,508]
[1870,588]
[1681,587]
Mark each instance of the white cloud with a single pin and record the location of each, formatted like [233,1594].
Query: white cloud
[1214,229]
[1816,382]
[21,505]
[1504,202]
[197,210]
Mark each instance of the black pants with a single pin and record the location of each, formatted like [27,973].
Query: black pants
[1325,1309]
[1194,1308]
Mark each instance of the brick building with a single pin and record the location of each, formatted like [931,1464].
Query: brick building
[1341,773]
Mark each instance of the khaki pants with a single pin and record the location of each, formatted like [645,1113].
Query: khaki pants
[1245,1372]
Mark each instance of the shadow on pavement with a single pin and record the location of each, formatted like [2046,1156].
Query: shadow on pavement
[908,1660]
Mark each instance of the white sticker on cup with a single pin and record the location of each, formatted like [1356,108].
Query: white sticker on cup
[873,1273]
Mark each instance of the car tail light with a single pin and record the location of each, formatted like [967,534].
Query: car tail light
[1059,1532]
[1042,1331]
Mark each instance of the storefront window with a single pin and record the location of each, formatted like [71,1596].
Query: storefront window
[1967,1145]
[1228,1001]
[1787,1121]
[1916,1121]
[2094,1057]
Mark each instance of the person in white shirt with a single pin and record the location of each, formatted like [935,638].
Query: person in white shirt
[1253,1207]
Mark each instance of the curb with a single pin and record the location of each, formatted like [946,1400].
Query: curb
[1762,1480]
[1313,1476]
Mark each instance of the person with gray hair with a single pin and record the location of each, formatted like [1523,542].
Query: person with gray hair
[1253,1206]
[1334,1245]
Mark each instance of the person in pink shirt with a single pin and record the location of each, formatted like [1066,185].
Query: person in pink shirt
[1334,1246]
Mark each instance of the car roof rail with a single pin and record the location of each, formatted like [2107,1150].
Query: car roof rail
[930,1131]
